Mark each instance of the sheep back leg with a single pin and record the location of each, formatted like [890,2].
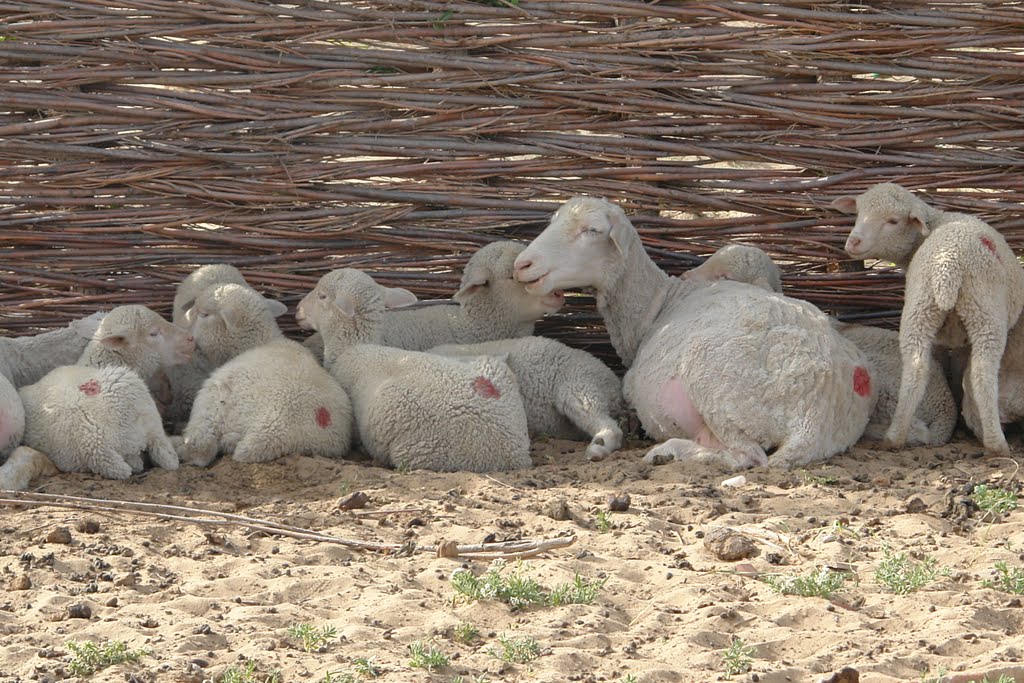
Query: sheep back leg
[255,447]
[24,465]
[706,448]
[984,382]
[203,434]
[917,334]
[593,416]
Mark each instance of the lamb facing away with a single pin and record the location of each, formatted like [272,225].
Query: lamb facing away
[566,392]
[964,286]
[490,305]
[98,416]
[271,399]
[1011,383]
[723,371]
[414,410]
[185,380]
[935,418]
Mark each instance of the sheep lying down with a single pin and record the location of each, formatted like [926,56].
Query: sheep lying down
[724,373]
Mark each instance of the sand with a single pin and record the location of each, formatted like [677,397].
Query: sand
[203,600]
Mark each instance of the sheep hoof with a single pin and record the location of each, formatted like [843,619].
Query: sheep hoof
[597,452]
[661,455]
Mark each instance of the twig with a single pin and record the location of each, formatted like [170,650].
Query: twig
[387,511]
[202,517]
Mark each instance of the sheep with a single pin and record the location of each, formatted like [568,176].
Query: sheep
[268,396]
[935,418]
[491,305]
[98,416]
[964,287]
[566,392]
[12,417]
[185,380]
[722,371]
[25,360]
[1011,383]
[414,410]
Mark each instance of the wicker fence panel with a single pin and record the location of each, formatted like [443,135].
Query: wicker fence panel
[143,137]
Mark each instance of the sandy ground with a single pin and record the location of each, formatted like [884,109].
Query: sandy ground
[204,599]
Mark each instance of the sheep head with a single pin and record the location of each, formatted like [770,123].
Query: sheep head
[349,298]
[740,263]
[200,279]
[891,222]
[229,319]
[586,244]
[144,338]
[488,281]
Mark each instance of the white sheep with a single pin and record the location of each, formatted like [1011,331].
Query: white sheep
[490,305]
[268,396]
[12,417]
[935,418]
[414,410]
[723,371]
[98,416]
[1011,383]
[25,360]
[186,379]
[566,392]
[964,287]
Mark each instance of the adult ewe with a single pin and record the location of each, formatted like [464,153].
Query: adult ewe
[964,287]
[935,418]
[723,371]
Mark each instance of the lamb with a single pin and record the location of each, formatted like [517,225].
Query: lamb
[964,287]
[185,380]
[491,305]
[414,410]
[25,360]
[12,418]
[722,371]
[98,416]
[1011,383]
[566,392]
[271,399]
[935,418]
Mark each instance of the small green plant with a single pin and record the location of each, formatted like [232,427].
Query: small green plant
[604,521]
[901,575]
[927,677]
[87,657]
[737,658]
[248,674]
[338,677]
[994,500]
[579,591]
[426,656]
[366,667]
[819,584]
[465,633]
[1003,678]
[629,678]
[517,649]
[809,478]
[1008,580]
[312,638]
[475,679]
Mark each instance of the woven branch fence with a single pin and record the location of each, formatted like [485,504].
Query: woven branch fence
[141,138]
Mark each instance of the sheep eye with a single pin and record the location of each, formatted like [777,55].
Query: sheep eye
[321,296]
[154,333]
[891,221]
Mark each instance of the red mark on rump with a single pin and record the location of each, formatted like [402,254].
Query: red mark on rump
[484,387]
[323,417]
[90,388]
[861,381]
[989,245]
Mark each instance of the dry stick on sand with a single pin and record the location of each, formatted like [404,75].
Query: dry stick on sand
[507,550]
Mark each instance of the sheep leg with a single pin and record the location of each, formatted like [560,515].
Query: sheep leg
[24,465]
[202,435]
[255,447]
[134,461]
[108,463]
[594,419]
[707,448]
[161,450]
[984,381]
[916,338]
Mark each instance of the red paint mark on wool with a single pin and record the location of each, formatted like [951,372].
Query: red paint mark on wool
[989,245]
[861,381]
[323,417]
[484,387]
[90,388]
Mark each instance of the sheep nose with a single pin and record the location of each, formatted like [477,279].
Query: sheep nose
[521,265]
[853,242]
[190,339]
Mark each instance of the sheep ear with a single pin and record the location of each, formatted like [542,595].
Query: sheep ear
[845,204]
[918,221]
[276,308]
[187,305]
[345,303]
[114,341]
[86,327]
[621,228]
[396,297]
[763,283]
[471,284]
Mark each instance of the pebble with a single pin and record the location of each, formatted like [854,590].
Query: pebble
[619,502]
[79,610]
[728,545]
[557,509]
[20,583]
[61,535]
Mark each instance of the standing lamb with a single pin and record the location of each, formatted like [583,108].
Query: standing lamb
[723,371]
[185,380]
[269,397]
[964,286]
[490,305]
[98,416]
[935,418]
[414,410]
[1011,383]
[567,392]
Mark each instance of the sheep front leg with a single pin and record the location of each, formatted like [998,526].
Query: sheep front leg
[918,327]
[594,418]
[201,439]
[24,465]
[706,448]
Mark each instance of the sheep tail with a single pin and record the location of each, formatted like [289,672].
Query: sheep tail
[948,276]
